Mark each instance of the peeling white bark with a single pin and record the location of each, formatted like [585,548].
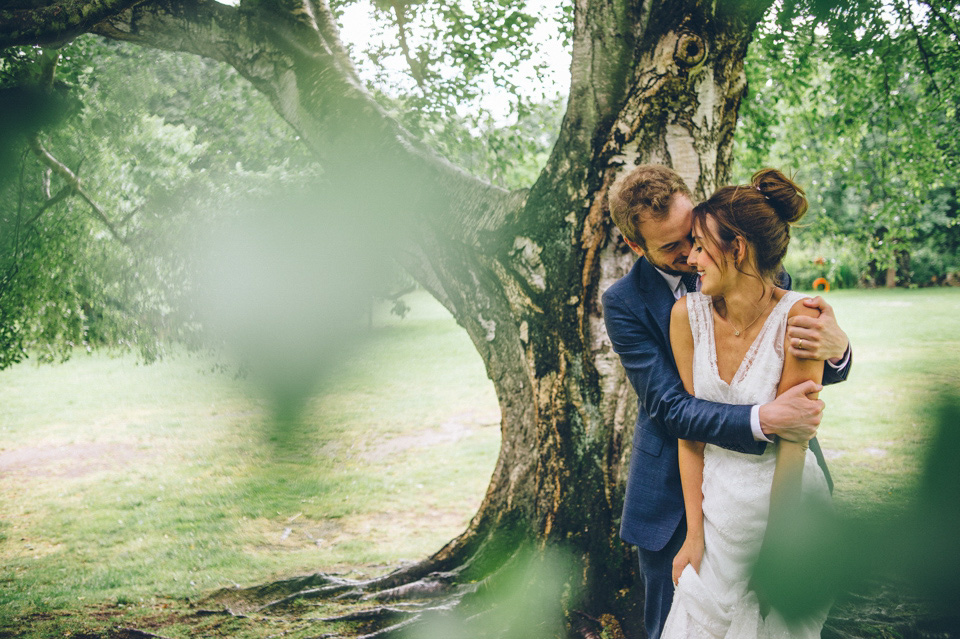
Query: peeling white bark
[683,153]
[629,155]
[490,326]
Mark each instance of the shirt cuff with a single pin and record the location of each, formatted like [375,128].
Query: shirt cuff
[755,425]
[838,364]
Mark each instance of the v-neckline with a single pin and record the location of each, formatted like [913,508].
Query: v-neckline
[750,351]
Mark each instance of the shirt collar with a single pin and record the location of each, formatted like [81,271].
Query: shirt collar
[674,282]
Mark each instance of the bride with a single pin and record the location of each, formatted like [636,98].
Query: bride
[729,344]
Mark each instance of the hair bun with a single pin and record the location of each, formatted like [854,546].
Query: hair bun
[785,196]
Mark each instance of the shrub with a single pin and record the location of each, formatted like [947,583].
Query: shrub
[838,263]
[929,267]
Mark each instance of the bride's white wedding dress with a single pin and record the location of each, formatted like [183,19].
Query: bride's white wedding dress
[736,494]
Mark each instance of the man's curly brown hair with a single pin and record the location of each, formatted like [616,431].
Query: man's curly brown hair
[643,193]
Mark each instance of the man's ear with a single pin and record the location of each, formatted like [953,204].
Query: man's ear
[636,248]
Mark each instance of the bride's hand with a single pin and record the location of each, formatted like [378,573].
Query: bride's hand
[691,552]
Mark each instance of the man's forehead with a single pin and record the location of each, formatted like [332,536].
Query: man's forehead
[672,228]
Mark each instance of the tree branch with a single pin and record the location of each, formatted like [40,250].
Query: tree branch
[603,49]
[415,69]
[73,182]
[327,25]
[923,51]
[56,23]
[61,195]
[950,28]
[305,74]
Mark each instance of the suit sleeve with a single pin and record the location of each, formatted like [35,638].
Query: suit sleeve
[832,375]
[653,374]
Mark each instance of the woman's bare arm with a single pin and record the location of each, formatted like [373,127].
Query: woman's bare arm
[690,453]
[785,493]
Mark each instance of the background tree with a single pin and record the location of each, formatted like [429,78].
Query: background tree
[862,101]
[145,145]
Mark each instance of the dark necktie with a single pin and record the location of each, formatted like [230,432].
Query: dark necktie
[689,281]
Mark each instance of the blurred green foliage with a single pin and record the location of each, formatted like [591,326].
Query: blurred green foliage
[840,263]
[816,556]
[525,599]
[286,284]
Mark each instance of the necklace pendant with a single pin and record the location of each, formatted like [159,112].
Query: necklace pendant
[736,333]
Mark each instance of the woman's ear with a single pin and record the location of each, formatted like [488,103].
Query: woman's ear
[739,250]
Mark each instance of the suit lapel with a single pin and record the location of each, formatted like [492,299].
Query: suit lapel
[658,297]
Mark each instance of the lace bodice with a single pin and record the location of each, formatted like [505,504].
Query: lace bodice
[756,381]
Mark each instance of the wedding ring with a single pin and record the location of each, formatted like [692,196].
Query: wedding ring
[800,345]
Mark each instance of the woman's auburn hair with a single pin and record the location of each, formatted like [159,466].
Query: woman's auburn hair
[760,212]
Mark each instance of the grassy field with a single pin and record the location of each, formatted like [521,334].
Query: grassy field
[126,487]
[906,350]
[123,483]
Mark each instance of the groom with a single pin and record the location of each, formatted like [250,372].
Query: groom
[652,207]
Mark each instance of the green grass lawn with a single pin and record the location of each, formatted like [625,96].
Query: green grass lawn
[906,350]
[124,485]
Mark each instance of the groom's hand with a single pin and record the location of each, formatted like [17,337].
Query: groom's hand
[793,415]
[819,338]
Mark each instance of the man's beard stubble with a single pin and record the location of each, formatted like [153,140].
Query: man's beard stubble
[679,267]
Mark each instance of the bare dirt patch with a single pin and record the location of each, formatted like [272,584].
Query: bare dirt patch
[452,430]
[68,460]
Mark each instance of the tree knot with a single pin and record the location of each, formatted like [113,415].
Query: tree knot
[690,50]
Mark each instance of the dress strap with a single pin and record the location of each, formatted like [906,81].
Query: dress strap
[782,309]
[701,319]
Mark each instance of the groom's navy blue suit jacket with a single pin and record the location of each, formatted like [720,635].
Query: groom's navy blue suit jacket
[636,310]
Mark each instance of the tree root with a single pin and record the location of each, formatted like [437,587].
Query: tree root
[271,591]
[377,614]
[882,611]
[390,631]
[134,633]
[225,611]
[433,595]
[432,586]
[392,619]
[324,592]
[435,585]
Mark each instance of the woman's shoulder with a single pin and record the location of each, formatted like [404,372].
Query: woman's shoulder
[796,305]
[680,309]
[690,300]
[681,332]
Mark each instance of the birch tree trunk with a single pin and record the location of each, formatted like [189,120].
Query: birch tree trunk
[522,272]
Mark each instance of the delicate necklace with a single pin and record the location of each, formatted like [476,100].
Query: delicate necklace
[736,333]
